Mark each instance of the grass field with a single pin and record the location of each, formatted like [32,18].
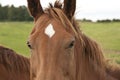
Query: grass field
[107,35]
[14,35]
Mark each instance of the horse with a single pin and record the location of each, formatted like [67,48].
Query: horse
[13,66]
[59,48]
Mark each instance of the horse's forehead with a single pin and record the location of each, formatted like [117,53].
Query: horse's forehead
[49,30]
[49,27]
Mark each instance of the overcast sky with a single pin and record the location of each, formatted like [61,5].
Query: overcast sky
[90,9]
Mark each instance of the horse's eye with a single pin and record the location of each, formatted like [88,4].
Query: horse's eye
[71,44]
[29,45]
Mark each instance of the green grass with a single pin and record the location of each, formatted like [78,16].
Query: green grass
[14,35]
[113,57]
[107,35]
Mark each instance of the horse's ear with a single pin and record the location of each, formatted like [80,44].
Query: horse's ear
[69,8]
[35,8]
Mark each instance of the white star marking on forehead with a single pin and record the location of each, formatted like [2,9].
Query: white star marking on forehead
[50,30]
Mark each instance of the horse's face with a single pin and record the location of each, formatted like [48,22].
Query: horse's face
[52,42]
[52,48]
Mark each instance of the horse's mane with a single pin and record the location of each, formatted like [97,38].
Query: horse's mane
[13,61]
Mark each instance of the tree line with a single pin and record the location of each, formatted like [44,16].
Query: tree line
[11,13]
[100,21]
[108,20]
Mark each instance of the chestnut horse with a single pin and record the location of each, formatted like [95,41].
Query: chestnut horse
[60,51]
[13,66]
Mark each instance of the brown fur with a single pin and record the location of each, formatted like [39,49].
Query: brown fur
[113,69]
[13,66]
[70,8]
[35,8]
[90,62]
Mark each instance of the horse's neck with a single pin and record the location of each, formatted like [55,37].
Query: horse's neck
[89,73]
